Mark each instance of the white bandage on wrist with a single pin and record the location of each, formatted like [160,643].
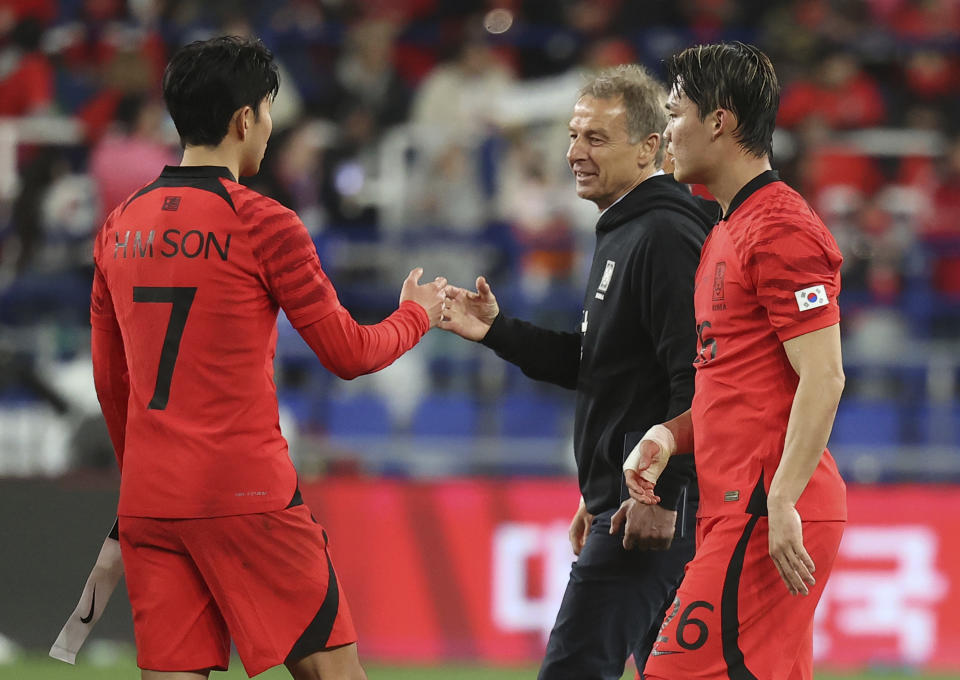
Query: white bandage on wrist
[662,437]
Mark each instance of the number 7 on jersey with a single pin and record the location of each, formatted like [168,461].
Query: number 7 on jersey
[181,297]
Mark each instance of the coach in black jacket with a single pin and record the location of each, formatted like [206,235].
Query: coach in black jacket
[631,365]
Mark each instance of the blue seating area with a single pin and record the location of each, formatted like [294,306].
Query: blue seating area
[441,414]
[866,423]
[361,414]
[530,415]
[447,415]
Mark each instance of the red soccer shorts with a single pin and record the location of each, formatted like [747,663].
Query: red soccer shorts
[733,618]
[264,580]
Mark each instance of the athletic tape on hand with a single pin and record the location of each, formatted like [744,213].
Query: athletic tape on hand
[100,585]
[661,436]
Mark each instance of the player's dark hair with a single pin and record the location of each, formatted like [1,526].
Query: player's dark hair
[732,76]
[208,80]
[643,97]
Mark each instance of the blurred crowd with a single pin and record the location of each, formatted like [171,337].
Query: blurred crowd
[433,132]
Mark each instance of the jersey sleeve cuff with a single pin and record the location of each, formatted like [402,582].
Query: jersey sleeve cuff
[498,334]
[828,317]
[421,314]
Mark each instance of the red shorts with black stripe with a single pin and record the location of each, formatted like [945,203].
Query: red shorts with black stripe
[265,580]
[733,617]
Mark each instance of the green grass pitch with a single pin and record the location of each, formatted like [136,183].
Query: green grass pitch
[42,668]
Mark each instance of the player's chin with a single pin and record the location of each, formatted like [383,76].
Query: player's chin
[685,175]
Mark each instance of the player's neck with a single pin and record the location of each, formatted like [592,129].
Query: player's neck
[220,156]
[734,176]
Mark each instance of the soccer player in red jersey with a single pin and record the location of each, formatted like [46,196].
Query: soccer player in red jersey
[190,274]
[768,380]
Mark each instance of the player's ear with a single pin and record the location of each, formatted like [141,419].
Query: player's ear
[242,120]
[722,121]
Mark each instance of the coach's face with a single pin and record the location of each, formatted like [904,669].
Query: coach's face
[605,163]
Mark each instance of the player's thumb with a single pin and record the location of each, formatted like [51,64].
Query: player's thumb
[414,276]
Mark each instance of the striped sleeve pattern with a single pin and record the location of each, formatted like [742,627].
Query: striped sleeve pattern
[788,249]
[287,259]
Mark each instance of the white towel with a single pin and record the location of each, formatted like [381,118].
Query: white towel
[100,585]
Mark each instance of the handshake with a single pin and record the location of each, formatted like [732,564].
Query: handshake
[469,314]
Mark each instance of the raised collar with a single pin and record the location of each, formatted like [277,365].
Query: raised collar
[763,179]
[197,172]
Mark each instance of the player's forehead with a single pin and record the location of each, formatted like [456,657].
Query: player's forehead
[607,114]
[677,98]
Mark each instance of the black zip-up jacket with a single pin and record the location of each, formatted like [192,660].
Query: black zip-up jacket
[631,362]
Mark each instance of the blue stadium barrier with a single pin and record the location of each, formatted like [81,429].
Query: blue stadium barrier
[866,423]
[361,414]
[528,414]
[446,415]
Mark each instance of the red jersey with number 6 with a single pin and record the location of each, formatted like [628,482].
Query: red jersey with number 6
[192,269]
[769,271]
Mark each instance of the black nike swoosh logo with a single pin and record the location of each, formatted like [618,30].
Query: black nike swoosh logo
[93,600]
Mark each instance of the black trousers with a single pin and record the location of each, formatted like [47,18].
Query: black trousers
[615,601]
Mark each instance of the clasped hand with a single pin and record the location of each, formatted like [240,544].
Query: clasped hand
[645,527]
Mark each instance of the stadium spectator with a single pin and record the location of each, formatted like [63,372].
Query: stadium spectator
[127,156]
[197,435]
[840,92]
[769,378]
[942,229]
[460,98]
[365,74]
[629,365]
[26,76]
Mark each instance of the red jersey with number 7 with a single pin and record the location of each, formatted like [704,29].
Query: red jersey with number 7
[192,271]
[769,272]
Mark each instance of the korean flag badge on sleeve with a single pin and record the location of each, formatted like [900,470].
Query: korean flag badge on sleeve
[811,298]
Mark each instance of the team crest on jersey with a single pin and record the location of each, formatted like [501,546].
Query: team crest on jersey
[605,279]
[718,280]
[718,293]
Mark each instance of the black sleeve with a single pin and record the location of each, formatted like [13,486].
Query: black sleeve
[679,473]
[551,356]
[664,279]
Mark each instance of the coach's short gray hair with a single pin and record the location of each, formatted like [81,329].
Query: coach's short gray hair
[644,98]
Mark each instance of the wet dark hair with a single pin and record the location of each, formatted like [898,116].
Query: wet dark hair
[208,80]
[733,76]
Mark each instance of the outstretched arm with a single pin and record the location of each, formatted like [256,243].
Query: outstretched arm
[542,354]
[349,349]
[291,272]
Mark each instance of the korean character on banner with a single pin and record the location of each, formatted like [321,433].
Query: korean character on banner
[885,584]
